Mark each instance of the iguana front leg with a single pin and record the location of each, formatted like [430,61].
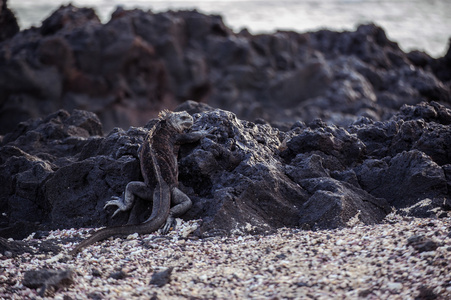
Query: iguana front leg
[132,190]
[194,136]
[181,203]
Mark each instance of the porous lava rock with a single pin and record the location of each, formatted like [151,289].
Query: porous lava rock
[59,171]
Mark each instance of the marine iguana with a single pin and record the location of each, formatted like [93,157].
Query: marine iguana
[158,160]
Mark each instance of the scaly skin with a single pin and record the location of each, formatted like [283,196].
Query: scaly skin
[158,160]
[161,205]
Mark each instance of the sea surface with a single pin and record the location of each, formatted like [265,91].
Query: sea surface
[415,24]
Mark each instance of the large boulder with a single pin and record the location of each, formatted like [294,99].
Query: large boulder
[29,157]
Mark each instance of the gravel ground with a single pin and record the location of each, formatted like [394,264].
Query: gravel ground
[403,258]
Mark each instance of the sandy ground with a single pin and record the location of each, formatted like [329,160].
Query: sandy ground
[402,258]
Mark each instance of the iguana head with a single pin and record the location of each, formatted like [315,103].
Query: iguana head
[181,121]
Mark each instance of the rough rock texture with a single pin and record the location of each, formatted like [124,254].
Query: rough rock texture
[374,131]
[139,62]
[58,172]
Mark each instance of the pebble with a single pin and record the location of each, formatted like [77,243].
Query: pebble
[396,286]
[364,261]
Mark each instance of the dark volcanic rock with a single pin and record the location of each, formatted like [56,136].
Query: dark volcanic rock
[237,179]
[29,158]
[139,62]
[73,61]
[58,172]
[421,243]
[333,204]
[161,278]
[47,281]
[68,17]
[404,179]
[13,248]
[8,22]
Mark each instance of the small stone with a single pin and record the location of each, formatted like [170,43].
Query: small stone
[281,256]
[41,234]
[119,275]
[302,284]
[47,279]
[443,215]
[422,244]
[364,293]
[394,286]
[339,242]
[161,278]
[132,236]
[95,296]
[425,293]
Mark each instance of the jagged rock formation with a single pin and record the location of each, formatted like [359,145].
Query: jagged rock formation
[58,172]
[139,62]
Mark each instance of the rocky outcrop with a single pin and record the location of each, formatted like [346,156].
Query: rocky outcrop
[139,62]
[346,126]
[58,172]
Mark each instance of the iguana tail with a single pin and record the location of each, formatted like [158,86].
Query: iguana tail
[160,213]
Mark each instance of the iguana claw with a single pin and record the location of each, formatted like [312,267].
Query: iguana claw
[206,132]
[118,202]
[170,222]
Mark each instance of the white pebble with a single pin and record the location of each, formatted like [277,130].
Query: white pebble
[394,286]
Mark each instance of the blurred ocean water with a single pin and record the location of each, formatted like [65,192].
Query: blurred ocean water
[415,24]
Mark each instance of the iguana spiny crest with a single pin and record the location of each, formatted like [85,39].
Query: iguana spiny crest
[181,121]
